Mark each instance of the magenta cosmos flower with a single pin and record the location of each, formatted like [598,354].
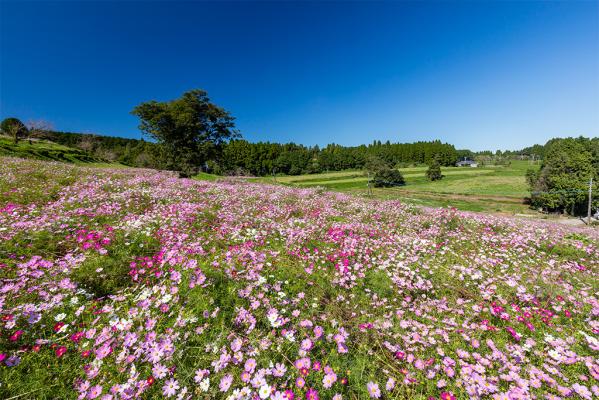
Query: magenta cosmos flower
[312,394]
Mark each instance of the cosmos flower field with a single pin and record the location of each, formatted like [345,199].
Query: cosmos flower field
[127,283]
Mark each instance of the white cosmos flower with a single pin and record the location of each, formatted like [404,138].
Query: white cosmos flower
[60,317]
[205,384]
[264,392]
[554,354]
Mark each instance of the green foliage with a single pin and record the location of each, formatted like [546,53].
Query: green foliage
[562,183]
[14,128]
[373,164]
[433,173]
[388,177]
[191,129]
[532,176]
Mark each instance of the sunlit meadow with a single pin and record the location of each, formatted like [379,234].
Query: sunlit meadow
[125,283]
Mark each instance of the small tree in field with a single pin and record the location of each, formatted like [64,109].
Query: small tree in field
[433,173]
[14,128]
[388,177]
[190,130]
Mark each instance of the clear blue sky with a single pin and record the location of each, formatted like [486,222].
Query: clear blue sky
[480,75]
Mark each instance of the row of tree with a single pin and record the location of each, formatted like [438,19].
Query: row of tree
[263,158]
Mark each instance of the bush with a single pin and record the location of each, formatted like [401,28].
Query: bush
[387,177]
[433,173]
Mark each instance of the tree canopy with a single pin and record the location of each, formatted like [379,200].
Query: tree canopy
[14,128]
[190,129]
[388,177]
[562,182]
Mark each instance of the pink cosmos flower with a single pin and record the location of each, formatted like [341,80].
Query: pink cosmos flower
[246,376]
[329,379]
[373,390]
[318,331]
[225,383]
[279,370]
[60,351]
[390,384]
[312,394]
[94,392]
[447,396]
[250,365]
[306,345]
[15,336]
[170,387]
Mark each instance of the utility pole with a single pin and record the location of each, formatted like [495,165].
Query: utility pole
[590,199]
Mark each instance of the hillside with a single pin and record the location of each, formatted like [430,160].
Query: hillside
[132,283]
[45,150]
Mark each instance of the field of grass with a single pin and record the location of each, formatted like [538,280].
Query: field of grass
[203,176]
[489,188]
[132,284]
[44,150]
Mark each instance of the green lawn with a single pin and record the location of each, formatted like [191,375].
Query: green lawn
[203,176]
[490,188]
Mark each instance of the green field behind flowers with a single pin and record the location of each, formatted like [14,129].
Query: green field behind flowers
[493,188]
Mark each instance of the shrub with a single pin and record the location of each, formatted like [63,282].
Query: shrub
[387,177]
[433,173]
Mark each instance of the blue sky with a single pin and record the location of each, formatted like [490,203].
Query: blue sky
[480,75]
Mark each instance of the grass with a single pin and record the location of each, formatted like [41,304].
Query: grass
[203,176]
[493,188]
[48,151]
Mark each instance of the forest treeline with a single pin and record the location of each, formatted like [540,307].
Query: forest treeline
[241,157]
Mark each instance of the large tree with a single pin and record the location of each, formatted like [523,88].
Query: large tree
[190,130]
